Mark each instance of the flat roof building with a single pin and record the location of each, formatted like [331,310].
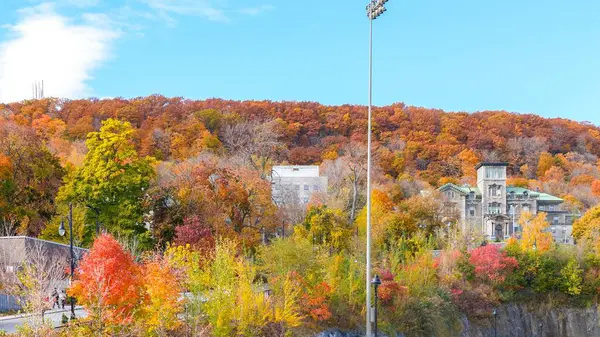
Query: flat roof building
[296,184]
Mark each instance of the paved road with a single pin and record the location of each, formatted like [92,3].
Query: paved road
[10,325]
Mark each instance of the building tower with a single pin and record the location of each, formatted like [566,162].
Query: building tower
[491,181]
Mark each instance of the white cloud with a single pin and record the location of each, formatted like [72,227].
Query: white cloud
[256,10]
[46,46]
[82,3]
[209,9]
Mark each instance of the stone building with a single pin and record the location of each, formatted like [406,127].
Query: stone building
[495,208]
[296,184]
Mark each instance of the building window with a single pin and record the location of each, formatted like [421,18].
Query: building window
[494,172]
[495,191]
[297,187]
[551,208]
[306,188]
[525,208]
[555,220]
[316,188]
[472,211]
[494,208]
[305,200]
[471,195]
[512,195]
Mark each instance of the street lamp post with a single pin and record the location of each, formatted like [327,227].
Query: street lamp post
[374,9]
[61,232]
[376,282]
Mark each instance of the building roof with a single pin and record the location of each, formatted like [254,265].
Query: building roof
[549,197]
[544,197]
[490,164]
[521,190]
[292,171]
[462,189]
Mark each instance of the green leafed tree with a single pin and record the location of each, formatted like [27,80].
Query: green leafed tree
[113,180]
[326,227]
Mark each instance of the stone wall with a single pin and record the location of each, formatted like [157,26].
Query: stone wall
[517,320]
[521,321]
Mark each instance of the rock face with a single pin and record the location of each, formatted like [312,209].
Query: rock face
[336,333]
[516,320]
[519,321]
[340,333]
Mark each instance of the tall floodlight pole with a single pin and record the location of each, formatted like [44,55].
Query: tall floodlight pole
[374,9]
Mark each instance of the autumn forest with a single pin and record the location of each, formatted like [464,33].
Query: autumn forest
[180,188]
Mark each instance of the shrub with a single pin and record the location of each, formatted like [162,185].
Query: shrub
[491,264]
[572,279]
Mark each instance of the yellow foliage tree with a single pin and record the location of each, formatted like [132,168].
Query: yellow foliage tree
[517,182]
[381,211]
[588,227]
[545,162]
[225,295]
[534,232]
[162,305]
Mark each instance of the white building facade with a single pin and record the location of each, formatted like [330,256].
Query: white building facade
[296,184]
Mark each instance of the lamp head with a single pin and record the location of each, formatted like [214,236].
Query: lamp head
[61,228]
[376,280]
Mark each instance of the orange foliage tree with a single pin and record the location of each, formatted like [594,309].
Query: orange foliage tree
[596,188]
[108,284]
[162,303]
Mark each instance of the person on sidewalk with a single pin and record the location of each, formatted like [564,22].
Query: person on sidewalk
[54,297]
[62,298]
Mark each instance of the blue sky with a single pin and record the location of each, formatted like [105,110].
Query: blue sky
[531,56]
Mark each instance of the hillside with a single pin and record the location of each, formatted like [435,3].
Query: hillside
[557,155]
[426,140]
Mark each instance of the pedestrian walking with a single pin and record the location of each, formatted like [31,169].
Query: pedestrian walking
[54,297]
[62,298]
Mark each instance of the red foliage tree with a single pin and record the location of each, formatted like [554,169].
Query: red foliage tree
[194,233]
[491,264]
[108,283]
[389,288]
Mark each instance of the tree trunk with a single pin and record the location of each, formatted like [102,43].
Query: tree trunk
[354,196]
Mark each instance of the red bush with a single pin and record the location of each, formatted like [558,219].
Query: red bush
[492,264]
[194,233]
[389,288]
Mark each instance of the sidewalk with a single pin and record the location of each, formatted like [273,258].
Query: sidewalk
[49,312]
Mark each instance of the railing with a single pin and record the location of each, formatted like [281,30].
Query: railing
[8,303]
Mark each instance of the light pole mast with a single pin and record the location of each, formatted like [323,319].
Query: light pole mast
[374,9]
